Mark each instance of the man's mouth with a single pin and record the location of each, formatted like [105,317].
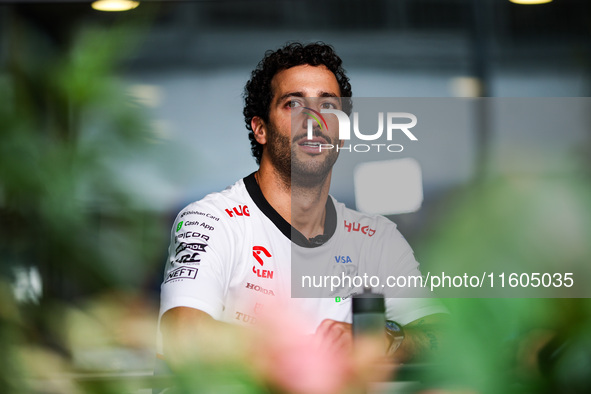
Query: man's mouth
[316,141]
[313,144]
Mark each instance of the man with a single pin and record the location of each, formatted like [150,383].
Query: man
[230,253]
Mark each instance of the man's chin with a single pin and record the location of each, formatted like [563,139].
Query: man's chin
[309,177]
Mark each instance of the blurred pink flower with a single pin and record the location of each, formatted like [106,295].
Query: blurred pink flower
[294,361]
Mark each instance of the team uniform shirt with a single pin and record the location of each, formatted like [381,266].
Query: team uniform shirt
[231,253]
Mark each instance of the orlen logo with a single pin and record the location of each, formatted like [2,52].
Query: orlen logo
[354,226]
[256,252]
[238,211]
[345,130]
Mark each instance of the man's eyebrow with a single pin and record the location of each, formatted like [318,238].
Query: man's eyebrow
[300,94]
[291,94]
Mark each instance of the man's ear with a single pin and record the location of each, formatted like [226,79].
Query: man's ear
[259,129]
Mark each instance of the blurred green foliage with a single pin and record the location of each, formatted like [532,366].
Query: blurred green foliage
[65,119]
[516,345]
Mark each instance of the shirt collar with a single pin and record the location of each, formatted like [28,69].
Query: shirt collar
[330,223]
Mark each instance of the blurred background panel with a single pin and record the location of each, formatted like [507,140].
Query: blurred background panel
[199,54]
[192,61]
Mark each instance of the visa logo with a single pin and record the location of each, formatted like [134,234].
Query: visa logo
[343,259]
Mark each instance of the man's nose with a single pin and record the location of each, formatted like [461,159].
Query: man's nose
[313,116]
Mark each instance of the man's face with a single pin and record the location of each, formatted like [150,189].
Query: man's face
[288,148]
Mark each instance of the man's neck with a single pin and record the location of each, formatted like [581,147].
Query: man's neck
[302,207]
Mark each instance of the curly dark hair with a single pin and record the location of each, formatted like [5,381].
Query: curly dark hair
[258,94]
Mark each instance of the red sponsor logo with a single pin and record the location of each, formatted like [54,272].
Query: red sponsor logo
[256,252]
[354,226]
[245,318]
[240,210]
[260,289]
[262,273]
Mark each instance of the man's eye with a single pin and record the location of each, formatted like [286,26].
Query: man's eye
[328,106]
[294,104]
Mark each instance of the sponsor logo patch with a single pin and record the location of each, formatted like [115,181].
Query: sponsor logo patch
[354,226]
[181,273]
[240,210]
[256,252]
[207,215]
[191,258]
[206,226]
[192,234]
[245,318]
[260,289]
[197,247]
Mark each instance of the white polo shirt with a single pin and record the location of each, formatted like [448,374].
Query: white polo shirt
[231,253]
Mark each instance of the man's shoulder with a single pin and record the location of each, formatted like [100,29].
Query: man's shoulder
[219,199]
[217,206]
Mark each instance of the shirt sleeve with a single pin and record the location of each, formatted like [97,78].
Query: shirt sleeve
[196,271]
